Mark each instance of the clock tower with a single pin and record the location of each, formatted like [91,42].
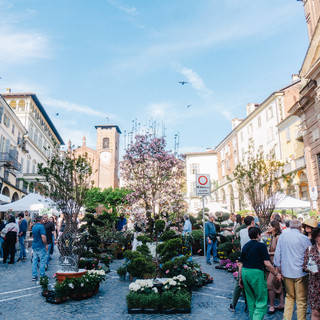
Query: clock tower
[107,156]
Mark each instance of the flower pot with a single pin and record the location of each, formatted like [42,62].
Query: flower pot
[61,276]
[96,290]
[135,310]
[151,311]
[45,293]
[90,294]
[84,295]
[169,311]
[183,310]
[74,296]
[64,299]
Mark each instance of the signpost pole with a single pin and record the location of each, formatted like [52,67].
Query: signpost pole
[204,229]
[203,189]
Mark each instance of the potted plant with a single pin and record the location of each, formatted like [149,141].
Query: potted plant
[60,292]
[168,302]
[183,302]
[151,303]
[44,282]
[122,271]
[133,302]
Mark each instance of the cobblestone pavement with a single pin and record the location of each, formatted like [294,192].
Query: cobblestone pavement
[20,298]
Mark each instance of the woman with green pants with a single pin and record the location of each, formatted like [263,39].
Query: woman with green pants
[252,274]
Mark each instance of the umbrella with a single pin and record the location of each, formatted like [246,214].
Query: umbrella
[292,203]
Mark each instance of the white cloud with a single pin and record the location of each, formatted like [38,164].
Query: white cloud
[118,5]
[73,107]
[196,81]
[159,110]
[23,46]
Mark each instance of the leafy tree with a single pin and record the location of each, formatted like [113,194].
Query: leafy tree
[261,180]
[154,175]
[111,199]
[66,180]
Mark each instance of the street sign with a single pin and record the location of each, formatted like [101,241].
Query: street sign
[203,187]
[313,193]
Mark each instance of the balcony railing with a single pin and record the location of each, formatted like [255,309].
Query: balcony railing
[300,162]
[8,160]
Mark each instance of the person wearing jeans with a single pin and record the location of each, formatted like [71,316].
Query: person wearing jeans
[288,257]
[211,238]
[40,248]
[22,237]
[50,228]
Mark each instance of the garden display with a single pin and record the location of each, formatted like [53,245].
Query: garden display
[73,288]
[166,295]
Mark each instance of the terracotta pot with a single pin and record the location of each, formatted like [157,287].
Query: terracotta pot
[96,290]
[61,276]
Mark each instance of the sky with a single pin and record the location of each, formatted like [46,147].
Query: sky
[120,61]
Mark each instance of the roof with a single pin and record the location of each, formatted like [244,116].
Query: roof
[204,153]
[41,108]
[108,126]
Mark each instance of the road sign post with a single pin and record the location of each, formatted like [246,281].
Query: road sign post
[203,189]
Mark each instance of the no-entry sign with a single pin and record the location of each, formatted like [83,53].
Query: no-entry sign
[203,185]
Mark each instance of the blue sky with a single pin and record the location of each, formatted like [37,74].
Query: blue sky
[123,59]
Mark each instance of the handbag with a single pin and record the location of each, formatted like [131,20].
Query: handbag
[312,266]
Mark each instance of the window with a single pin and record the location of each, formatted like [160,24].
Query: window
[228,164]
[28,166]
[105,143]
[194,168]
[259,121]
[315,134]
[269,113]
[288,135]
[22,161]
[12,129]
[35,139]
[223,169]
[6,121]
[241,136]
[1,113]
[250,129]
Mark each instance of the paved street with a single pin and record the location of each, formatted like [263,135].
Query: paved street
[20,298]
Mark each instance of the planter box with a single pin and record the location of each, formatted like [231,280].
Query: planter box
[61,276]
[183,310]
[135,310]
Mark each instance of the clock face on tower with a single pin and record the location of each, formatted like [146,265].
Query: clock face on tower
[105,157]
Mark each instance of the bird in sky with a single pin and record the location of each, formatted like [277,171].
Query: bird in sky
[57,114]
[189,105]
[183,82]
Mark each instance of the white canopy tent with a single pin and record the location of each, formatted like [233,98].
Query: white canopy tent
[215,207]
[31,202]
[4,199]
[292,203]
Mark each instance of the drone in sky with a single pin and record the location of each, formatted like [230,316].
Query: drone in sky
[183,82]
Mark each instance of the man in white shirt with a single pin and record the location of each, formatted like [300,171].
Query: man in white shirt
[288,257]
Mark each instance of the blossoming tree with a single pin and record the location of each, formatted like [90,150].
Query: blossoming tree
[154,175]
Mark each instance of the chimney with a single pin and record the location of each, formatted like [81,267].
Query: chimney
[294,77]
[8,90]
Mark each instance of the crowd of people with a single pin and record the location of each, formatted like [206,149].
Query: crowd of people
[281,269]
[42,230]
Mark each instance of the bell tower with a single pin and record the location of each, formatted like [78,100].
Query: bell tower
[108,156]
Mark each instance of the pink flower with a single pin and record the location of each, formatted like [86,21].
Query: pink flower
[167,271]
[186,267]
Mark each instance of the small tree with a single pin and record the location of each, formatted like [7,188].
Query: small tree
[154,175]
[66,181]
[262,181]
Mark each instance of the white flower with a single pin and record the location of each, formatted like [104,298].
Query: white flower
[155,290]
[81,285]
[71,285]
[173,283]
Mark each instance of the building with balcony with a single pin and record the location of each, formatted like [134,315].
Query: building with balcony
[308,105]
[38,139]
[12,151]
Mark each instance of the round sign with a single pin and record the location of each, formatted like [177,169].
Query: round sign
[203,180]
